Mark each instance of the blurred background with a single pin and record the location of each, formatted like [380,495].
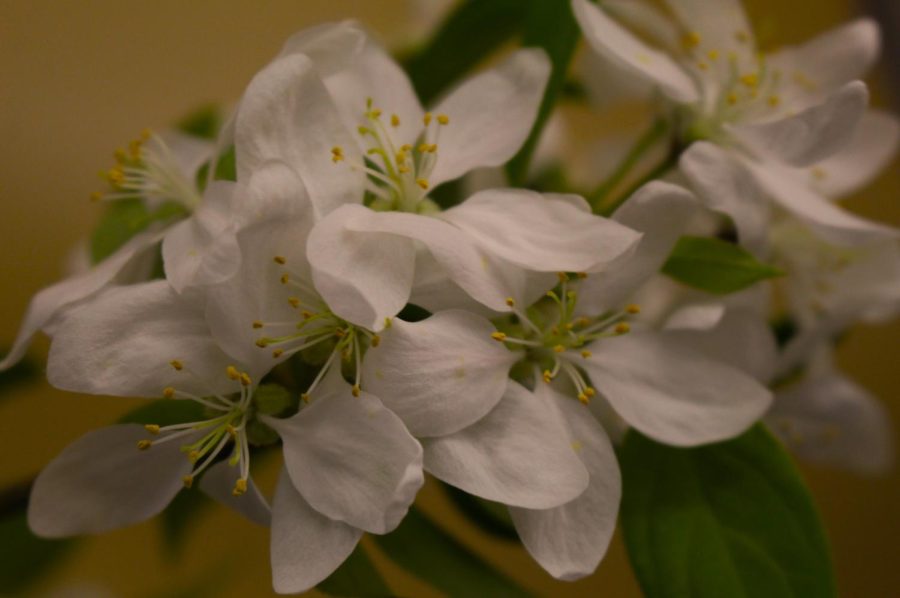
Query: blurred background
[78,79]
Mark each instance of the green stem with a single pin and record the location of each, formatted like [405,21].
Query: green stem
[641,147]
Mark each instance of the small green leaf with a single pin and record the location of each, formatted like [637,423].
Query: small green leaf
[356,577]
[125,218]
[204,122]
[165,412]
[549,24]
[25,558]
[715,266]
[436,557]
[471,33]
[728,519]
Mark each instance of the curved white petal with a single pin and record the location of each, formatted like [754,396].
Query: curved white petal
[871,150]
[812,135]
[218,482]
[122,343]
[49,302]
[287,114]
[545,233]
[352,460]
[103,482]
[825,63]
[672,393]
[364,276]
[490,115]
[661,212]
[518,454]
[332,47]
[723,26]
[829,221]
[441,374]
[725,186]
[615,42]
[570,540]
[306,546]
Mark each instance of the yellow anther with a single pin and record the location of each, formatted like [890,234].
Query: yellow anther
[406,147]
[245,379]
[559,349]
[570,326]
[115,175]
[134,148]
[277,353]
[623,328]
[388,322]
[146,133]
[563,277]
[401,157]
[168,392]
[120,155]
[586,354]
[702,66]
[240,487]
[589,391]
[233,372]
[307,314]
[819,173]
[713,55]
[395,120]
[176,364]
[750,79]
[193,456]
[774,101]
[582,322]
[403,169]
[423,183]
[732,99]
[355,390]
[262,343]
[376,340]
[741,36]
[690,40]
[633,308]
[232,431]
[432,149]
[423,147]
[304,397]
[279,259]
[548,376]
[498,336]
[581,275]
[257,324]
[510,302]
[143,445]
[152,428]
[96,196]
[443,119]
[427,118]
[294,301]
[337,154]
[375,113]
[188,481]
[284,279]
[584,398]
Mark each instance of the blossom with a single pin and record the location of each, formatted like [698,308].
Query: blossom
[350,464]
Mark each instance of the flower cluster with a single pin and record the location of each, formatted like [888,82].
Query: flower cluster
[318,296]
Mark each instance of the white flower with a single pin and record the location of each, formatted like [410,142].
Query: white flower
[759,118]
[350,464]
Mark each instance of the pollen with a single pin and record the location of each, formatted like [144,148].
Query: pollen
[232,372]
[168,392]
[143,445]
[510,302]
[262,343]
[279,259]
[423,183]
[586,354]
[427,118]
[589,391]
[691,40]
[623,328]
[355,390]
[584,398]
[285,279]
[633,308]
[337,154]
[713,55]
[750,79]
[498,336]
[548,376]
[257,324]
[188,481]
[388,322]
[178,365]
[245,379]
[304,397]
[193,456]
[376,340]
[277,353]
[152,428]
[559,349]
[294,301]
[395,120]
[240,487]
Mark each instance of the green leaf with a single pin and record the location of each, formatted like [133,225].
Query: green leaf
[356,577]
[165,412]
[436,557]
[204,122]
[471,33]
[550,25]
[25,558]
[715,266]
[123,219]
[728,519]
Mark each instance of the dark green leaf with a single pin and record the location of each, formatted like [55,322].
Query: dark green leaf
[434,556]
[492,518]
[729,519]
[471,33]
[715,266]
[165,412]
[550,25]
[125,218]
[204,122]
[25,558]
[357,577]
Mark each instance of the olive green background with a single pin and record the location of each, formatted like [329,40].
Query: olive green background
[80,78]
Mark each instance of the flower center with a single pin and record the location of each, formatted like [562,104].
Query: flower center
[397,170]
[554,339]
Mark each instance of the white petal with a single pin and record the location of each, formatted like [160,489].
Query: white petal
[352,460]
[273,192]
[103,482]
[539,232]
[441,374]
[376,75]
[618,44]
[287,114]
[724,185]
[363,276]
[831,420]
[518,454]
[491,115]
[671,393]
[306,546]
[202,250]
[828,220]
[570,540]
[719,27]
[121,344]
[659,210]
[647,20]
[218,482]
[49,302]
[825,63]
[870,152]
[812,135]
[332,47]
